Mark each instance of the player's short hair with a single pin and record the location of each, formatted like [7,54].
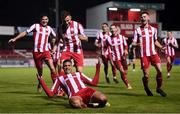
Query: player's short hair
[67,60]
[169,31]
[42,15]
[113,25]
[105,24]
[64,14]
[144,12]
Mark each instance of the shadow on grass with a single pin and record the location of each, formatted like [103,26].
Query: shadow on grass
[125,94]
[106,86]
[19,92]
[57,101]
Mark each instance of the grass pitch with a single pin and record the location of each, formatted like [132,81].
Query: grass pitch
[18,93]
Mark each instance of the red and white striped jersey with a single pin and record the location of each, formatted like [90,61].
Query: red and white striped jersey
[169,49]
[102,39]
[72,42]
[117,44]
[146,37]
[41,35]
[71,83]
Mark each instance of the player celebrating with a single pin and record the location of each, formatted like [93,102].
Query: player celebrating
[105,51]
[41,33]
[73,84]
[170,43]
[71,33]
[145,36]
[118,46]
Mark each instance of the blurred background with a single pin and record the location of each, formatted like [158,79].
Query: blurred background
[17,15]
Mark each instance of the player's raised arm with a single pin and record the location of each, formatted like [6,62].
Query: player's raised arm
[49,92]
[95,80]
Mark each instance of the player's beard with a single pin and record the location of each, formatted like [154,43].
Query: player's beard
[68,71]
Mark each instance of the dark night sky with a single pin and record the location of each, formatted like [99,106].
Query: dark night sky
[26,12]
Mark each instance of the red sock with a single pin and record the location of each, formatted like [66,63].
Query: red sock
[159,80]
[95,80]
[123,77]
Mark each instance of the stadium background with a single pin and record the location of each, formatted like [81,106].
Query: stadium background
[16,16]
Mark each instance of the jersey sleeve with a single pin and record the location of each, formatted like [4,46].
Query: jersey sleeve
[175,42]
[135,36]
[125,43]
[81,29]
[155,34]
[31,28]
[98,39]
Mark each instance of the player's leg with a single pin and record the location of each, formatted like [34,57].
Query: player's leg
[105,63]
[113,68]
[39,66]
[145,65]
[99,98]
[114,73]
[134,65]
[49,61]
[157,63]
[159,80]
[168,66]
[123,74]
[78,61]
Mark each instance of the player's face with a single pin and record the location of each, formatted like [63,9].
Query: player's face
[68,19]
[67,67]
[113,30]
[105,28]
[169,34]
[144,19]
[44,21]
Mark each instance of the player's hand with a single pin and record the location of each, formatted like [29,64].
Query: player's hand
[11,41]
[38,77]
[81,37]
[125,52]
[163,49]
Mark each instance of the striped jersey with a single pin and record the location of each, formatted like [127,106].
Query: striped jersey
[117,44]
[71,83]
[72,42]
[169,49]
[146,37]
[102,39]
[41,35]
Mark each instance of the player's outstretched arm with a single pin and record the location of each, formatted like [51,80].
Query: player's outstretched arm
[21,35]
[44,86]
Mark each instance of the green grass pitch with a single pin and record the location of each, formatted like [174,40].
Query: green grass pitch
[18,93]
